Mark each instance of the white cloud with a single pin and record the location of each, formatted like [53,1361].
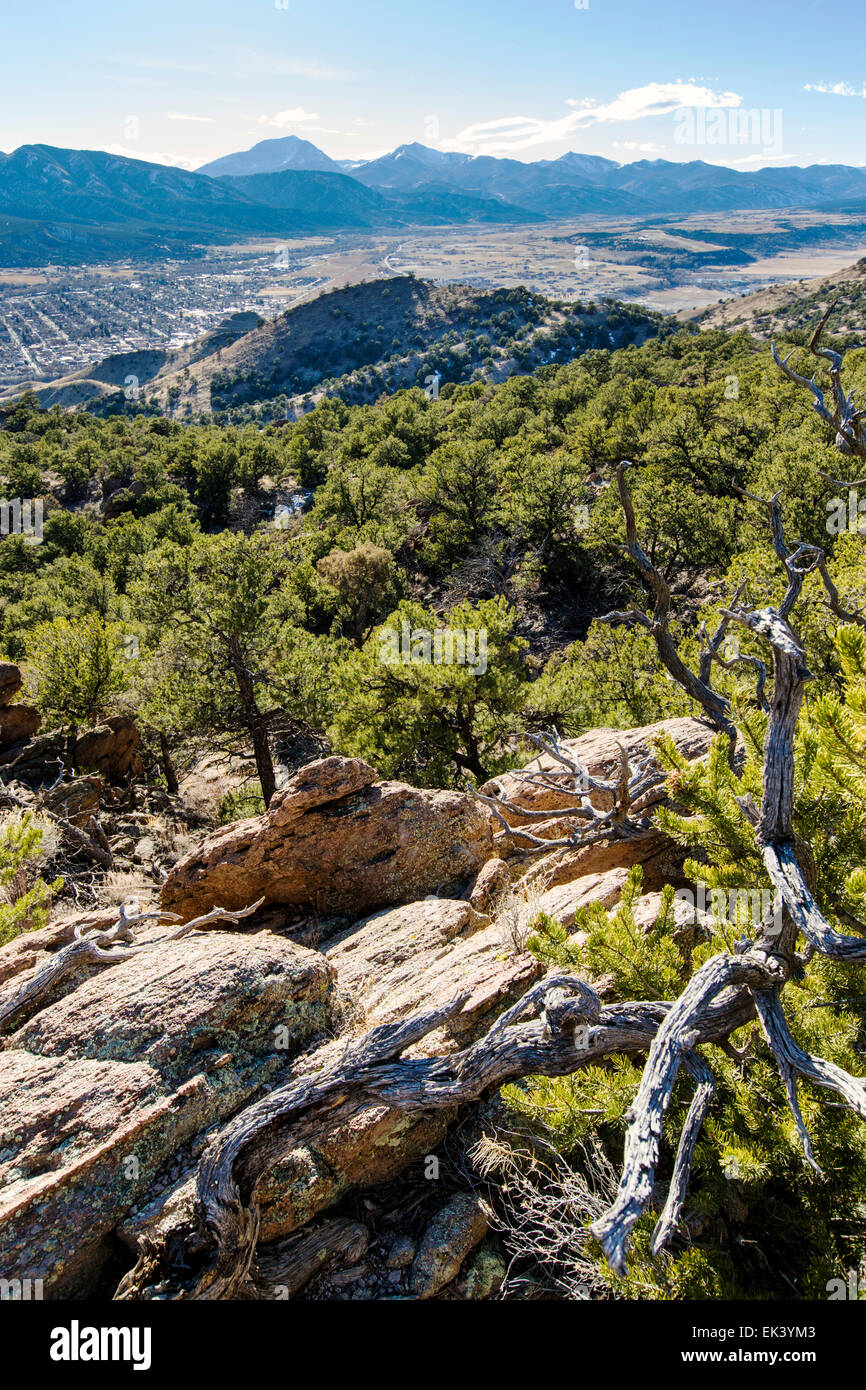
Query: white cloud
[510,134]
[835,89]
[284,119]
[655,99]
[179,116]
[761,159]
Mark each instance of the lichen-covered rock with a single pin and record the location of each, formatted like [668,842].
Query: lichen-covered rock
[427,953]
[564,900]
[77,800]
[99,1090]
[484,1274]
[336,840]
[401,1253]
[454,1231]
[355,1145]
[492,883]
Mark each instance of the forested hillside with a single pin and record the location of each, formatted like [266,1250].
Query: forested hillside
[414,589]
[489,506]
[353,343]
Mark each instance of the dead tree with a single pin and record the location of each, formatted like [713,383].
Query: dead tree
[101,947]
[844,418]
[624,798]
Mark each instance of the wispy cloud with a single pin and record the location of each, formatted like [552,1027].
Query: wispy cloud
[510,134]
[759,159]
[179,116]
[835,89]
[283,120]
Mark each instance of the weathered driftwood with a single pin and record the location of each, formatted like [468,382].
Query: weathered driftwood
[286,1266]
[587,823]
[374,1070]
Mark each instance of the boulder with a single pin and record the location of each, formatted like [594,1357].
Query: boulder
[564,900]
[336,840]
[77,800]
[424,954]
[492,883]
[484,1275]
[646,845]
[11,682]
[101,1089]
[452,1234]
[39,761]
[18,723]
[111,749]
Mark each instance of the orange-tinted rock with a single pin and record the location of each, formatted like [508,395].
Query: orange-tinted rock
[337,840]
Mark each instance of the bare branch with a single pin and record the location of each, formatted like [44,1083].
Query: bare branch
[716,706]
[705,1089]
[845,419]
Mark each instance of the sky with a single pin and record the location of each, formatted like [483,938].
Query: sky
[746,83]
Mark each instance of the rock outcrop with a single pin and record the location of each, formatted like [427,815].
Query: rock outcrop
[598,753]
[336,840]
[11,681]
[100,1089]
[18,723]
[116,1080]
[431,951]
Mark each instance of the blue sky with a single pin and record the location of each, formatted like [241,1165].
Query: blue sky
[777,81]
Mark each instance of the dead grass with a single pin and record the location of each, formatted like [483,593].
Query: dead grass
[516,911]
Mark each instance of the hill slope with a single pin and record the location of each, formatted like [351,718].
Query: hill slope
[356,342]
[792,311]
[75,206]
[367,339]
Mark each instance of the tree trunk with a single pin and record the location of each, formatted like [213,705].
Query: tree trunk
[255,723]
[171,781]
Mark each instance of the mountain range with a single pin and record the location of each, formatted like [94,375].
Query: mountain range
[73,206]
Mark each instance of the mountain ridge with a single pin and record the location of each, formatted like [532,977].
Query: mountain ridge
[79,205]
